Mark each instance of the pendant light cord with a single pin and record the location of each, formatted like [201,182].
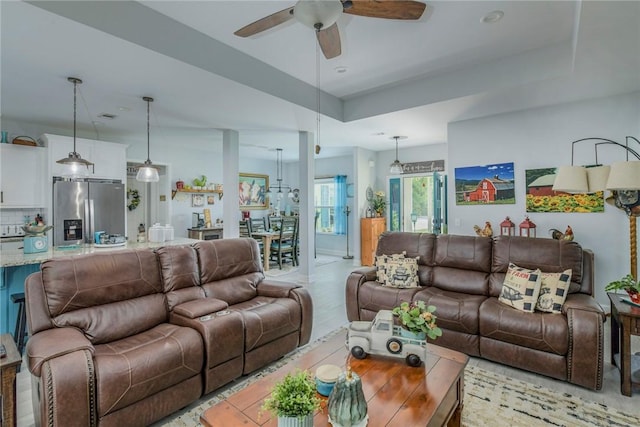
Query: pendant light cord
[396,148]
[148,154]
[75,86]
[317,89]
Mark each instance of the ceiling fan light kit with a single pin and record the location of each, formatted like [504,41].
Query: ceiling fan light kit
[322,15]
[76,166]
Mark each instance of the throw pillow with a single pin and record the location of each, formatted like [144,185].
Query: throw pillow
[381,265]
[521,288]
[398,272]
[553,291]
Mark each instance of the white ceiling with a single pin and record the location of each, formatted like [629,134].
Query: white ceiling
[403,77]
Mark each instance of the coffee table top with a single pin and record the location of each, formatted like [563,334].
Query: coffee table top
[397,394]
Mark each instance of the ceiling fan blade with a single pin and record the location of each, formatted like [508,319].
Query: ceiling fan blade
[329,40]
[266,23]
[388,9]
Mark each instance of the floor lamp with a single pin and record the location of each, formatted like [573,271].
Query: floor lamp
[347,211]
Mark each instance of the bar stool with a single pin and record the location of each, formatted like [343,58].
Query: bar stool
[21,322]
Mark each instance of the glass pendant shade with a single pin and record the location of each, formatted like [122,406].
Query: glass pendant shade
[147,173]
[396,166]
[75,165]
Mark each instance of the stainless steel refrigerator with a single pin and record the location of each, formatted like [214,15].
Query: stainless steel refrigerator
[80,208]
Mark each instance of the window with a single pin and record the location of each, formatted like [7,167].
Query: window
[330,201]
[324,196]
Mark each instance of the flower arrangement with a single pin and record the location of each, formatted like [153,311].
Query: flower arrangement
[293,396]
[418,317]
[379,203]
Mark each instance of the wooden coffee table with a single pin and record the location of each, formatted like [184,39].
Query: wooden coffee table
[430,395]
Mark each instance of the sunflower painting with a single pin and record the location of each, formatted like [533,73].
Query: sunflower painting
[542,198]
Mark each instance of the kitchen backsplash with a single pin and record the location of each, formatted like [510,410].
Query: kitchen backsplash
[20,216]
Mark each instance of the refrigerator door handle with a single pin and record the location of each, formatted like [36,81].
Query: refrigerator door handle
[87,234]
[92,227]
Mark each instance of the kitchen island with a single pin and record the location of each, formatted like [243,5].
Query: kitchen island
[15,266]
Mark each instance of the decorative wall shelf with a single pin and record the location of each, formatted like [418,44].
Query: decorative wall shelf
[218,192]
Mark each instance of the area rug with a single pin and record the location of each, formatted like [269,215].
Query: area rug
[490,399]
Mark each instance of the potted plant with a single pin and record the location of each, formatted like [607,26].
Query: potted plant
[628,284]
[379,203]
[293,400]
[418,318]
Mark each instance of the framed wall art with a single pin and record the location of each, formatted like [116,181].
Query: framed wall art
[253,191]
[197,200]
[486,184]
[542,198]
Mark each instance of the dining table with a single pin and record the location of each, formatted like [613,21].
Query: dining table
[267,237]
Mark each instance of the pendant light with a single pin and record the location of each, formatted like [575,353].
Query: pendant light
[147,173]
[76,166]
[280,185]
[396,166]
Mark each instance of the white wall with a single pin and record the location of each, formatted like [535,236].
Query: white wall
[541,138]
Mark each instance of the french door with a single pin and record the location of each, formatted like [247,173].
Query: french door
[418,203]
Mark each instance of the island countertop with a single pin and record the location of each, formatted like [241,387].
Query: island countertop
[17,257]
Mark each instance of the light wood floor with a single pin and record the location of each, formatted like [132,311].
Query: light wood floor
[329,314]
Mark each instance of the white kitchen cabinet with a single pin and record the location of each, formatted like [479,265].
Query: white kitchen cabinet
[109,158]
[23,175]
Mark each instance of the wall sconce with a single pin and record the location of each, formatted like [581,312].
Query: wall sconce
[507,227]
[527,228]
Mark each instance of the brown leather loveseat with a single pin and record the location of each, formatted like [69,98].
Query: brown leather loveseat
[462,276]
[127,337]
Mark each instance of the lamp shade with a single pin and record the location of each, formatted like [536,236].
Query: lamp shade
[147,173]
[597,178]
[571,179]
[395,168]
[624,176]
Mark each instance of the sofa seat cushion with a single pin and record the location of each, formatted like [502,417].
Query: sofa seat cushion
[266,319]
[455,311]
[541,331]
[136,367]
[372,296]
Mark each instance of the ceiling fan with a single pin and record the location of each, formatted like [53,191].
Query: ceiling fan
[323,14]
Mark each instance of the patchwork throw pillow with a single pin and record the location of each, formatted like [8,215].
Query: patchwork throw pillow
[521,288]
[396,271]
[553,291]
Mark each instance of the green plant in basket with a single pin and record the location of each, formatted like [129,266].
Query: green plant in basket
[418,317]
[293,396]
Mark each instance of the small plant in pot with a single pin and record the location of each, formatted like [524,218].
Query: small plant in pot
[293,400]
[628,284]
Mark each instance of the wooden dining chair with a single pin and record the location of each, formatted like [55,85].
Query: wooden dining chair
[283,249]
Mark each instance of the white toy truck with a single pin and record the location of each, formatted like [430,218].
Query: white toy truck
[383,337]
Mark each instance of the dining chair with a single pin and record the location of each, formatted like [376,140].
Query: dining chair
[245,228]
[257,224]
[284,248]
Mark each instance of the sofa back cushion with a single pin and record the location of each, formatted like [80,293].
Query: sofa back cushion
[549,255]
[463,264]
[414,245]
[180,274]
[107,296]
[230,269]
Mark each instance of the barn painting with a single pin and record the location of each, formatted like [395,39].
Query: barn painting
[542,198]
[486,184]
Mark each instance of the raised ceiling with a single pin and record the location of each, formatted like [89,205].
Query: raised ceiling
[402,77]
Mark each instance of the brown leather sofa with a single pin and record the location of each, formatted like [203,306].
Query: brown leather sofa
[127,337]
[462,276]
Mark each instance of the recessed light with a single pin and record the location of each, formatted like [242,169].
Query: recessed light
[124,109]
[341,69]
[492,17]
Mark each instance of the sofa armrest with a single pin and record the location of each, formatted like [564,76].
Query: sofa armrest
[275,289]
[585,358]
[52,343]
[354,281]
[199,307]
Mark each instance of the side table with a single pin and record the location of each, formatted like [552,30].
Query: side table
[8,369]
[625,321]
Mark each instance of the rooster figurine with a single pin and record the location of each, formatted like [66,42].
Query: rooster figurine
[559,235]
[487,231]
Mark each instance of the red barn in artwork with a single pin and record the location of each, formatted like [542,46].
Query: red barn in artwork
[490,190]
[543,186]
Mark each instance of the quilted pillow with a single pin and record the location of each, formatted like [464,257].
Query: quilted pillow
[396,271]
[553,291]
[521,288]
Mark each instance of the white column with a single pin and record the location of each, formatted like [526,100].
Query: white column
[307,211]
[230,170]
